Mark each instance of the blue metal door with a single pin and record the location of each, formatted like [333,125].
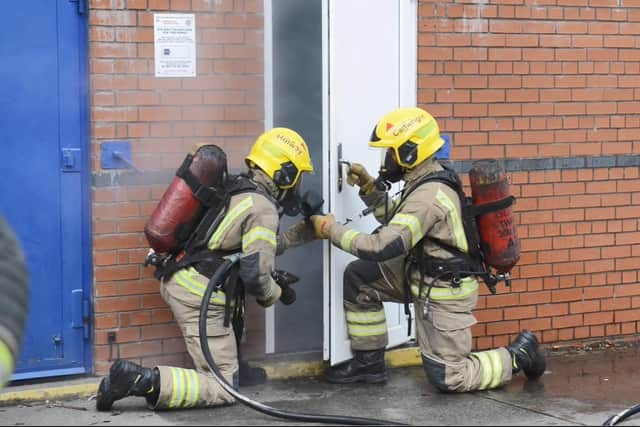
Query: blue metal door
[44,176]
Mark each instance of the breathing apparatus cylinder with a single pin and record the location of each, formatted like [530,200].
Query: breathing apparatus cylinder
[496,228]
[181,205]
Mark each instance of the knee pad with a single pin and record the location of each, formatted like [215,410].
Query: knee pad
[351,283]
[437,375]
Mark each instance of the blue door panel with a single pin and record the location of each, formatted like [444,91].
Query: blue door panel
[43,190]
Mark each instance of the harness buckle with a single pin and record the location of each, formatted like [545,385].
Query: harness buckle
[456,281]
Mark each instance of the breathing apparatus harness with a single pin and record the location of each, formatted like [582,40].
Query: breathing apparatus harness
[194,252]
[462,264]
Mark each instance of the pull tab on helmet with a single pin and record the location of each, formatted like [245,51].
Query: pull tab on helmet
[283,155]
[411,134]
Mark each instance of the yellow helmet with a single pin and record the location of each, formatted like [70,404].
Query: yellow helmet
[282,154]
[412,133]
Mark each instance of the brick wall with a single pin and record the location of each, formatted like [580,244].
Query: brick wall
[162,118]
[558,81]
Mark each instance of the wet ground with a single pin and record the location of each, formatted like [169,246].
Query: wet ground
[579,388]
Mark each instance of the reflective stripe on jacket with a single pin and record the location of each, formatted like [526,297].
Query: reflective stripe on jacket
[250,225]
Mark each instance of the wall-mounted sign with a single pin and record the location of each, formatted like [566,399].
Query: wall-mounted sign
[175,44]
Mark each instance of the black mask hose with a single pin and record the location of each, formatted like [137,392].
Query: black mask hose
[260,407]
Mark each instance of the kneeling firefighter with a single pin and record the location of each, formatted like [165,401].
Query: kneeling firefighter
[423,254]
[248,225]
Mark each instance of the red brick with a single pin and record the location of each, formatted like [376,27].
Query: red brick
[567,321]
[552,310]
[527,312]
[584,254]
[627,290]
[161,316]
[181,5]
[160,331]
[492,315]
[110,273]
[598,318]
[136,4]
[153,301]
[140,349]
[581,332]
[537,324]
[599,240]
[483,343]
[110,305]
[584,306]
[504,327]
[629,328]
[616,304]
[105,321]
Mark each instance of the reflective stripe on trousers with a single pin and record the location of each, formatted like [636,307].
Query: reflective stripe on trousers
[492,369]
[366,323]
[6,364]
[187,388]
[192,281]
[467,287]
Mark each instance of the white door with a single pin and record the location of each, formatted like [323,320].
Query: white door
[370,69]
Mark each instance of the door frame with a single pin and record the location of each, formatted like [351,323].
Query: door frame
[408,40]
[269,313]
[86,178]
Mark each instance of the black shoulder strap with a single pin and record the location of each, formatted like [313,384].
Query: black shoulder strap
[208,196]
[234,184]
[242,183]
[447,176]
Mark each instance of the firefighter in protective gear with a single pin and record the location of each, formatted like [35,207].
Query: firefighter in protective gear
[14,304]
[276,163]
[387,270]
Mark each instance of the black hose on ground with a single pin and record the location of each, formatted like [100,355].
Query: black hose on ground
[260,407]
[14,300]
[615,419]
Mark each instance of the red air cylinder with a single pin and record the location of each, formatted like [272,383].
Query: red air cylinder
[497,229]
[179,210]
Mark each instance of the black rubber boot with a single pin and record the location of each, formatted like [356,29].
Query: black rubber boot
[526,355]
[128,379]
[366,367]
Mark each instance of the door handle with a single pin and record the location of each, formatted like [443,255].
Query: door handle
[340,163]
[339,167]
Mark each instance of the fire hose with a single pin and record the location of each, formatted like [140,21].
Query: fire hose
[621,416]
[216,280]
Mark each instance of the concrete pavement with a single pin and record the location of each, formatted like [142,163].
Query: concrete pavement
[579,388]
